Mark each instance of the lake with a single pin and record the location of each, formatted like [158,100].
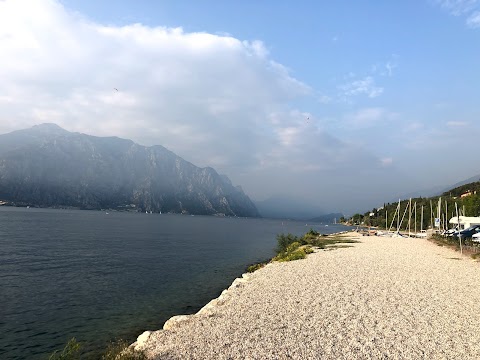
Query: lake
[100,276]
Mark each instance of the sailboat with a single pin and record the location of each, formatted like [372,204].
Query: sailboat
[422,233]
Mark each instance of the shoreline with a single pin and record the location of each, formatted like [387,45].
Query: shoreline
[381,298]
[208,308]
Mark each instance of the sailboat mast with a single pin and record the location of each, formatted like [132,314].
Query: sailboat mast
[421,221]
[398,219]
[458,221]
[409,215]
[395,214]
[446,216]
[431,214]
[415,207]
[439,209]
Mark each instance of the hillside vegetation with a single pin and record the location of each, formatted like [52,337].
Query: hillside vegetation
[467,198]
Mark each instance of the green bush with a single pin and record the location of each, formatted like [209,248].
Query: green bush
[292,252]
[283,241]
[294,255]
[119,350]
[308,249]
[255,267]
[310,236]
[292,247]
[71,351]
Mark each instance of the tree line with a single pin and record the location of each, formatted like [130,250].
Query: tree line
[466,198]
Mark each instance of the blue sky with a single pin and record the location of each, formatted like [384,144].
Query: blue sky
[345,104]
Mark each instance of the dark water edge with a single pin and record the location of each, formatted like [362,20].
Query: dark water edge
[98,277]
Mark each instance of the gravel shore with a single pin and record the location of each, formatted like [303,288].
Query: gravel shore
[382,298]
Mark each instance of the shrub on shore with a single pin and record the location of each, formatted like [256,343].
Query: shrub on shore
[308,249]
[117,350]
[290,247]
[255,267]
[120,350]
[311,235]
[293,251]
[283,241]
[71,351]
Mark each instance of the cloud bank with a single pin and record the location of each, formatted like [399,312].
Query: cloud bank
[214,100]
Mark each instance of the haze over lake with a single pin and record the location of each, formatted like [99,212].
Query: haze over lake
[97,276]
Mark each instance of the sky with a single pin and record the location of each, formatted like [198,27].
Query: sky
[341,104]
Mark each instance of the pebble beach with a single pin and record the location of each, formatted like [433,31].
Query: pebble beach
[380,298]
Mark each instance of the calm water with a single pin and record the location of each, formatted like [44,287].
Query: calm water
[97,276]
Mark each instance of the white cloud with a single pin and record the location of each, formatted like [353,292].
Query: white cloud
[469,8]
[365,86]
[457,123]
[213,99]
[323,99]
[386,68]
[414,126]
[183,90]
[389,67]
[368,117]
[458,7]
[473,20]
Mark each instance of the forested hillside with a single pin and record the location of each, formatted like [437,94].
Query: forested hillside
[465,197]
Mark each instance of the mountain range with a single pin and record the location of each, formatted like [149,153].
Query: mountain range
[47,166]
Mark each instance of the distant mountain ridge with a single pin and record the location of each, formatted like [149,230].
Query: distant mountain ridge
[461,183]
[437,190]
[48,166]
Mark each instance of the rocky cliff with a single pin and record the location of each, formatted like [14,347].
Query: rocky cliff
[50,167]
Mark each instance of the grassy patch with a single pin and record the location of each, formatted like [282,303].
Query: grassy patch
[323,242]
[290,247]
[340,246]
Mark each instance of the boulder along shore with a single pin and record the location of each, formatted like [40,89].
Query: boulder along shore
[389,298]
